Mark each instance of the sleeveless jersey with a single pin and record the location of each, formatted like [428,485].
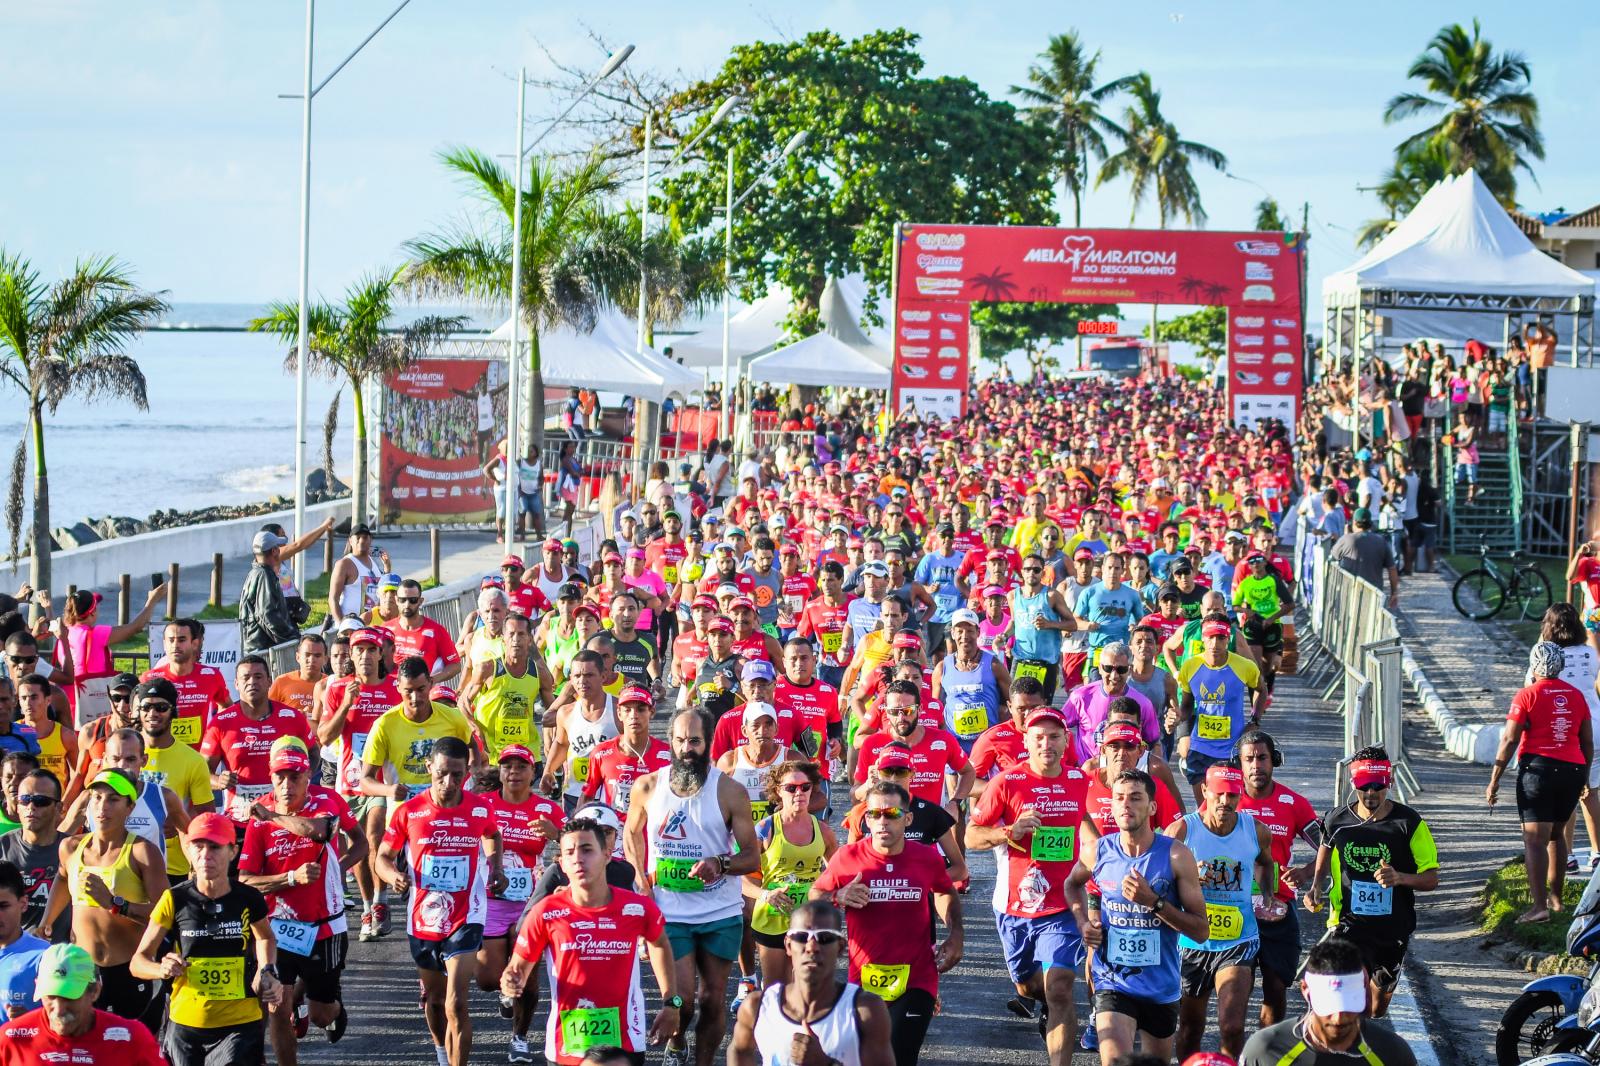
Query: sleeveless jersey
[971,699]
[837,1032]
[504,709]
[1140,955]
[582,736]
[789,866]
[754,780]
[680,831]
[1227,872]
[1031,642]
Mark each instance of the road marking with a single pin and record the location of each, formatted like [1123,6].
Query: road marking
[1406,1020]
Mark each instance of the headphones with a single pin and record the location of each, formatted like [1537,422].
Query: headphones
[1258,736]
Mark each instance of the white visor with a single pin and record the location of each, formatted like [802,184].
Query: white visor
[1336,993]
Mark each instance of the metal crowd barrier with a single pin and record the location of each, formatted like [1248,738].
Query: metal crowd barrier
[1354,651]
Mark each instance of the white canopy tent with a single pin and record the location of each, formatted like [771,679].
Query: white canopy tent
[1457,266]
[751,331]
[605,360]
[820,359]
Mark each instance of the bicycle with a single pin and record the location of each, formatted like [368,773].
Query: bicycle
[1482,593]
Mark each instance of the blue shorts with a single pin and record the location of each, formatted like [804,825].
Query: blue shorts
[1032,944]
[1195,765]
[433,954]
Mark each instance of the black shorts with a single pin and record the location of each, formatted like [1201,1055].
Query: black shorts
[1160,1020]
[1280,946]
[1200,968]
[123,994]
[1381,955]
[1268,636]
[320,970]
[433,954]
[768,940]
[227,1045]
[1548,789]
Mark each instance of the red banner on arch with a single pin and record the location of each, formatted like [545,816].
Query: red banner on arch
[943,269]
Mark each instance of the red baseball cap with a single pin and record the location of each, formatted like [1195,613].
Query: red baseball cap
[587,608]
[213,828]
[552,545]
[907,639]
[719,625]
[893,759]
[513,560]
[516,751]
[1371,773]
[289,758]
[1044,714]
[788,549]
[1122,733]
[635,694]
[702,600]
[443,694]
[366,636]
[1222,778]
[1083,553]
[1215,629]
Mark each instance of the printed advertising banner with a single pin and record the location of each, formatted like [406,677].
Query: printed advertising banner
[1256,276]
[930,366]
[443,419]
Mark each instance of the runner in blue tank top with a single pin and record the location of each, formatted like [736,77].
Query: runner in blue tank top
[1039,617]
[971,683]
[1148,893]
[1233,855]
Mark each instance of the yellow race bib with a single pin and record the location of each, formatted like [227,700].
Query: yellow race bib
[888,983]
[216,978]
[1215,727]
[971,722]
[187,730]
[1226,922]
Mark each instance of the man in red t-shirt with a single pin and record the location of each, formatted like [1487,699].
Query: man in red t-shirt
[935,752]
[201,689]
[71,1030]
[1002,746]
[417,634]
[615,764]
[594,976]
[1031,816]
[451,842]
[300,840]
[1287,815]
[824,621]
[238,743]
[528,600]
[885,885]
[819,727]
[1122,748]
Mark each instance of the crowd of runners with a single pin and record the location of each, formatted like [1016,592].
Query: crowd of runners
[738,748]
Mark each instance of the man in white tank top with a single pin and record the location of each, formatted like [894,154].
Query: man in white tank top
[815,1016]
[683,825]
[580,727]
[353,585]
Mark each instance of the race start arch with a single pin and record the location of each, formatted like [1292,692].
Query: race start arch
[941,271]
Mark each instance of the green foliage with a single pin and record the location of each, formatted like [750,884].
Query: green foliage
[1269,217]
[1155,158]
[1488,120]
[1206,329]
[1061,95]
[886,145]
[1030,327]
[1416,170]
[1505,896]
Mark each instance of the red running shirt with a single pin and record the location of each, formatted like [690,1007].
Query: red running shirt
[892,936]
[937,752]
[245,746]
[522,845]
[432,642]
[370,704]
[613,769]
[1287,814]
[201,692]
[271,849]
[1551,712]
[1029,878]
[111,1041]
[592,957]
[444,852]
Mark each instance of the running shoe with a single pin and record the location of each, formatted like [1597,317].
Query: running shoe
[1572,864]
[676,1056]
[1021,1006]
[1089,1039]
[382,912]
[519,1051]
[747,986]
[302,1020]
[341,1022]
[369,926]
[1594,860]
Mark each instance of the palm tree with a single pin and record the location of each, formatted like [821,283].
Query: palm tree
[573,258]
[1061,95]
[1488,120]
[1269,216]
[1415,171]
[354,341]
[1154,155]
[66,339]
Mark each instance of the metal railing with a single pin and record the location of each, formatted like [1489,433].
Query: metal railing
[1355,651]
[1514,467]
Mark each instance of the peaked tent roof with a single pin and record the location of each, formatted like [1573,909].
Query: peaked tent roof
[605,360]
[1458,239]
[843,305]
[820,359]
[751,331]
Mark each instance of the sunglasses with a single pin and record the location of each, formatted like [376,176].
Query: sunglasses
[121,697]
[409,599]
[159,708]
[820,937]
[1033,569]
[888,814]
[22,660]
[34,799]
[795,790]
[1113,669]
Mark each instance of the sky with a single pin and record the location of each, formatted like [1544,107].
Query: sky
[155,132]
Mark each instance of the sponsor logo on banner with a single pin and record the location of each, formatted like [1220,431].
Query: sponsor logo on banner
[938,286]
[1259,294]
[1078,251]
[916,373]
[942,242]
[915,316]
[1283,358]
[1266,248]
[1249,340]
[949,352]
[915,334]
[1249,321]
[949,316]
[940,264]
[1278,338]
[914,351]
[1248,358]
[1254,271]
[947,334]
[1286,323]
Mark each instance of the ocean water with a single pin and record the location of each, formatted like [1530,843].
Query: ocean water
[220,428]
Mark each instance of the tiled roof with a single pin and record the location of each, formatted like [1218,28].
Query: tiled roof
[1590,217]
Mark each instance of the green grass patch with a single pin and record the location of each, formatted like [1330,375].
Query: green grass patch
[1505,896]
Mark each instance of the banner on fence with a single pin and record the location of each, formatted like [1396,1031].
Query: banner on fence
[223,646]
[443,420]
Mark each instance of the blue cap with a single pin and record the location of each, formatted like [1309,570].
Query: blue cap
[389,581]
[757,670]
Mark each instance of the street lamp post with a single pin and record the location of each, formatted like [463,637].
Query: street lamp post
[534,403]
[307,93]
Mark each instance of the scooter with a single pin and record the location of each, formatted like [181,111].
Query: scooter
[1556,1013]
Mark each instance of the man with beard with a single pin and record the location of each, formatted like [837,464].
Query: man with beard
[417,634]
[691,837]
[934,751]
[837,1023]
[725,571]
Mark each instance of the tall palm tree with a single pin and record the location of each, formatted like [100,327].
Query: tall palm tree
[353,341]
[1415,171]
[1154,157]
[1061,95]
[1269,216]
[572,258]
[1488,120]
[61,340]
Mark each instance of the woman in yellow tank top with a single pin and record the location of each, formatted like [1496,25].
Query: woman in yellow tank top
[795,846]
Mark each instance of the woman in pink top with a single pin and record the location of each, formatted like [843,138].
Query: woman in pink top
[89,642]
[994,627]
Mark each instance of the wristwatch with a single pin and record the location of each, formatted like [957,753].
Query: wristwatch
[1159,904]
[119,906]
[675,1002]
[271,970]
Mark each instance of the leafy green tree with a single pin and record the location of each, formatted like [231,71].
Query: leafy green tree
[1155,158]
[1062,96]
[1488,119]
[1031,328]
[1269,217]
[1415,171]
[354,342]
[573,258]
[886,145]
[1206,329]
[61,340]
